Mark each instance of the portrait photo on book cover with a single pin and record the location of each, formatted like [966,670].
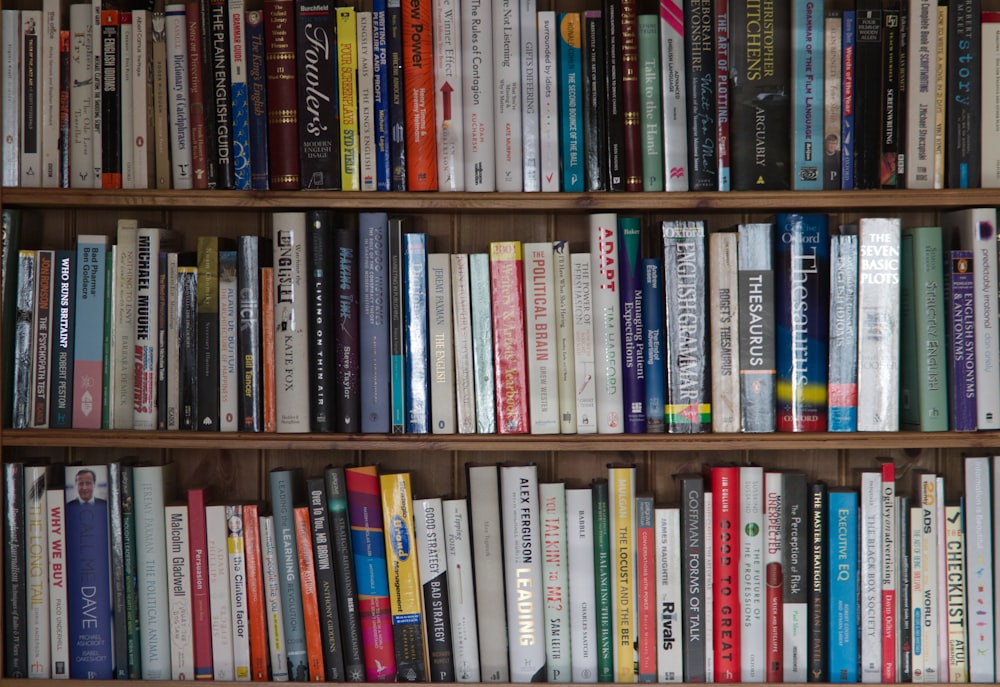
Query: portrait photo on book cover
[83,489]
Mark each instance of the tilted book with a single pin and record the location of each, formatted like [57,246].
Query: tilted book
[606,308]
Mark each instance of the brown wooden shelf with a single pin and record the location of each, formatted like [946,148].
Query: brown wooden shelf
[893,202]
[496,442]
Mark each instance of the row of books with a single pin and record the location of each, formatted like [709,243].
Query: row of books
[782,326]
[756,576]
[500,97]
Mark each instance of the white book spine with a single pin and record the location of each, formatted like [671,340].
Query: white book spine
[49,101]
[709,591]
[366,99]
[565,359]
[58,598]
[548,93]
[870,572]
[238,589]
[558,664]
[507,104]
[127,87]
[146,341]
[940,96]
[487,548]
[530,122]
[179,599]
[670,622]
[461,590]
[477,96]
[441,337]
[607,322]
[990,148]
[975,230]
[930,602]
[173,345]
[582,595]
[944,664]
[36,540]
[81,97]
[448,94]
[584,360]
[523,572]
[540,330]
[674,89]
[878,324]
[220,595]
[31,143]
[752,630]
[917,586]
[10,25]
[272,598]
[482,347]
[151,484]
[229,367]
[724,309]
[978,568]
[177,97]
[921,77]
[95,76]
[123,328]
[141,74]
[290,321]
[955,595]
[465,380]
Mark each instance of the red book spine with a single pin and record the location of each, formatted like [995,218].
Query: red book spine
[774,576]
[630,95]
[726,572]
[310,601]
[282,95]
[201,613]
[774,646]
[889,538]
[256,620]
[507,288]
[196,97]
[418,81]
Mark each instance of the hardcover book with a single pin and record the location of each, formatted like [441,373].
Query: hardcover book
[758,322]
[842,387]
[724,309]
[282,98]
[605,279]
[961,341]
[318,121]
[633,337]
[507,288]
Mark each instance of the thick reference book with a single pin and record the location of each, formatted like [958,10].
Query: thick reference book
[960,311]
[282,95]
[291,331]
[758,321]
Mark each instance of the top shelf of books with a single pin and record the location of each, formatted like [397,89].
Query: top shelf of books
[805,201]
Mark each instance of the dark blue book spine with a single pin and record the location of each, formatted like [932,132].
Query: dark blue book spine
[964,94]
[633,339]
[397,107]
[348,335]
[847,90]
[251,357]
[418,416]
[842,576]
[284,485]
[960,298]
[699,51]
[322,275]
[652,325]
[257,92]
[373,295]
[61,408]
[383,164]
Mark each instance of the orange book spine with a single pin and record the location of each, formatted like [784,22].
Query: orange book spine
[310,601]
[267,336]
[418,80]
[255,593]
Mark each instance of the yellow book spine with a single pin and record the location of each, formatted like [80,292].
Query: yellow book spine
[621,482]
[347,80]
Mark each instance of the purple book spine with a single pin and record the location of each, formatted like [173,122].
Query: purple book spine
[961,340]
[633,338]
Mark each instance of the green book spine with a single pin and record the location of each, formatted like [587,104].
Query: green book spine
[602,572]
[650,105]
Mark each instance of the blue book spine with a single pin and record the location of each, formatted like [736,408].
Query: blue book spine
[397,106]
[802,301]
[61,409]
[842,578]
[571,100]
[373,253]
[960,299]
[283,486]
[633,339]
[847,116]
[807,95]
[652,325]
[88,346]
[842,389]
[257,94]
[383,166]
[88,573]
[241,110]
[418,416]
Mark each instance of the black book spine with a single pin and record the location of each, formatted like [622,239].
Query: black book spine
[10,223]
[699,53]
[904,591]
[15,618]
[187,333]
[902,63]
[318,97]
[796,550]
[397,331]
[326,583]
[130,554]
[343,566]
[251,403]
[595,135]
[31,135]
[218,29]
[319,256]
[890,141]
[117,541]
[817,665]
[257,89]
[63,299]
[867,96]
[111,100]
[348,321]
[161,344]
[209,248]
[614,101]
[692,494]
[962,123]
[208,81]
[397,102]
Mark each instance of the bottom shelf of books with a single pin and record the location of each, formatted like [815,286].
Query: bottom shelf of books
[728,566]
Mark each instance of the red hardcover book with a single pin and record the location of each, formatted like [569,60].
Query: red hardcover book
[418,81]
[774,576]
[256,620]
[310,601]
[267,346]
[630,94]
[196,97]
[726,572]
[201,612]
[282,95]
[507,289]
[889,569]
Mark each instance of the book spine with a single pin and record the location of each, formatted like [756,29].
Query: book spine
[49,54]
[397,341]
[441,340]
[344,573]
[165,300]
[570,101]
[461,590]
[692,551]
[527,22]
[652,315]
[130,561]
[795,598]
[817,593]
[606,308]
[282,90]
[257,99]
[122,572]
[847,127]
[55,517]
[564,335]
[111,99]
[921,79]
[807,40]
[10,224]
[964,94]
[555,576]
[418,401]
[890,122]
[366,102]
[888,572]
[41,364]
[146,337]
[36,542]
[650,101]
[926,497]
[842,390]
[220,75]
[758,341]
[833,54]
[539,315]
[196,96]
[449,124]
[160,137]
[724,308]
[673,91]
[869,37]
[602,580]
[123,325]
[482,342]
[842,580]
[979,587]
[699,53]
[272,595]
[250,415]
[220,594]
[508,154]
[990,132]
[723,63]
[88,353]
[317,96]
[611,14]
[12,87]
[955,612]
[238,93]
[917,589]
[312,668]
[187,327]
[904,597]
[283,490]
[152,484]
[256,618]
[580,559]
[178,105]
[550,42]
[631,97]
[633,337]
[753,633]
[397,107]
[583,344]
[477,97]
[465,375]
[373,291]
[200,601]
[645,593]
[725,571]
[960,311]
[236,548]
[380,88]
[775,569]
[15,657]
[670,657]
[319,281]
[347,339]
[595,137]
[268,335]
[179,596]
[290,321]
[507,289]
[418,83]
[346,66]
[433,563]
[209,248]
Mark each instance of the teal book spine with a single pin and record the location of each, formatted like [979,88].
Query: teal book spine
[650,103]
[88,348]
[807,95]
[283,485]
[570,62]
[842,576]
[397,345]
